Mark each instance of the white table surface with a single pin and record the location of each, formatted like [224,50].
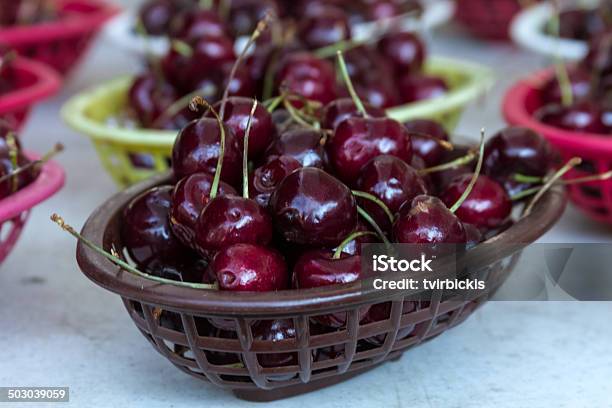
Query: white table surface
[59,329]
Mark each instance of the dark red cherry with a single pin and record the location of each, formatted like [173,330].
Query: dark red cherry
[304,145]
[275,331]
[318,268]
[15,183]
[367,65]
[190,196]
[245,14]
[354,247]
[197,23]
[580,81]
[236,117]
[405,50]
[378,93]
[324,26]
[266,178]
[196,150]
[382,9]
[487,206]
[440,179]
[146,231]
[424,134]
[427,220]
[312,207]
[228,220]
[517,150]
[583,116]
[599,58]
[358,140]
[344,108]
[149,97]
[313,78]
[157,15]
[249,268]
[392,181]
[418,87]
[212,52]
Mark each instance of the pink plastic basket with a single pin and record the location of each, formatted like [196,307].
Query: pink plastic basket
[14,210]
[62,42]
[33,82]
[488,19]
[594,198]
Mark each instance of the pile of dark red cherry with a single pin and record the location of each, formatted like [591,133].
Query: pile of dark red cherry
[26,12]
[167,17]
[585,23]
[386,73]
[311,197]
[589,85]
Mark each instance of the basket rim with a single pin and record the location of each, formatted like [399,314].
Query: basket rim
[47,83]
[61,28]
[527,30]
[478,80]
[50,180]
[288,302]
[515,113]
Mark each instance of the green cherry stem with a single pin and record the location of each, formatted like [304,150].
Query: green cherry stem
[474,179]
[245,153]
[522,178]
[468,158]
[349,85]
[199,101]
[120,262]
[348,240]
[374,225]
[560,67]
[182,48]
[571,163]
[377,201]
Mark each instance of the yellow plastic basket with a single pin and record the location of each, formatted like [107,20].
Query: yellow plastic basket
[91,113]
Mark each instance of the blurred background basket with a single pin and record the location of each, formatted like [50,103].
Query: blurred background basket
[529,31]
[33,82]
[593,198]
[123,150]
[488,19]
[15,209]
[62,42]
[121,30]
[175,319]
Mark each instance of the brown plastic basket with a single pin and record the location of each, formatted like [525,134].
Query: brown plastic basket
[319,359]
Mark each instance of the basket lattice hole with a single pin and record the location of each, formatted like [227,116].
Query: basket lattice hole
[209,328]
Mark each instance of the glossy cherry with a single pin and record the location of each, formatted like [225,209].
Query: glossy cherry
[580,82]
[190,196]
[344,108]
[228,220]
[198,23]
[405,50]
[487,206]
[427,220]
[266,178]
[312,207]
[249,268]
[15,183]
[146,231]
[378,93]
[358,140]
[318,268]
[583,116]
[417,87]
[392,181]
[156,16]
[304,74]
[424,135]
[196,150]
[323,26]
[304,145]
[149,97]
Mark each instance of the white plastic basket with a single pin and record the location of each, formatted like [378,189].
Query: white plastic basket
[528,30]
[121,30]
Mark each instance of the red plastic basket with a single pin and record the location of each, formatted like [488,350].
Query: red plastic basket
[14,210]
[488,19]
[33,83]
[62,42]
[594,198]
